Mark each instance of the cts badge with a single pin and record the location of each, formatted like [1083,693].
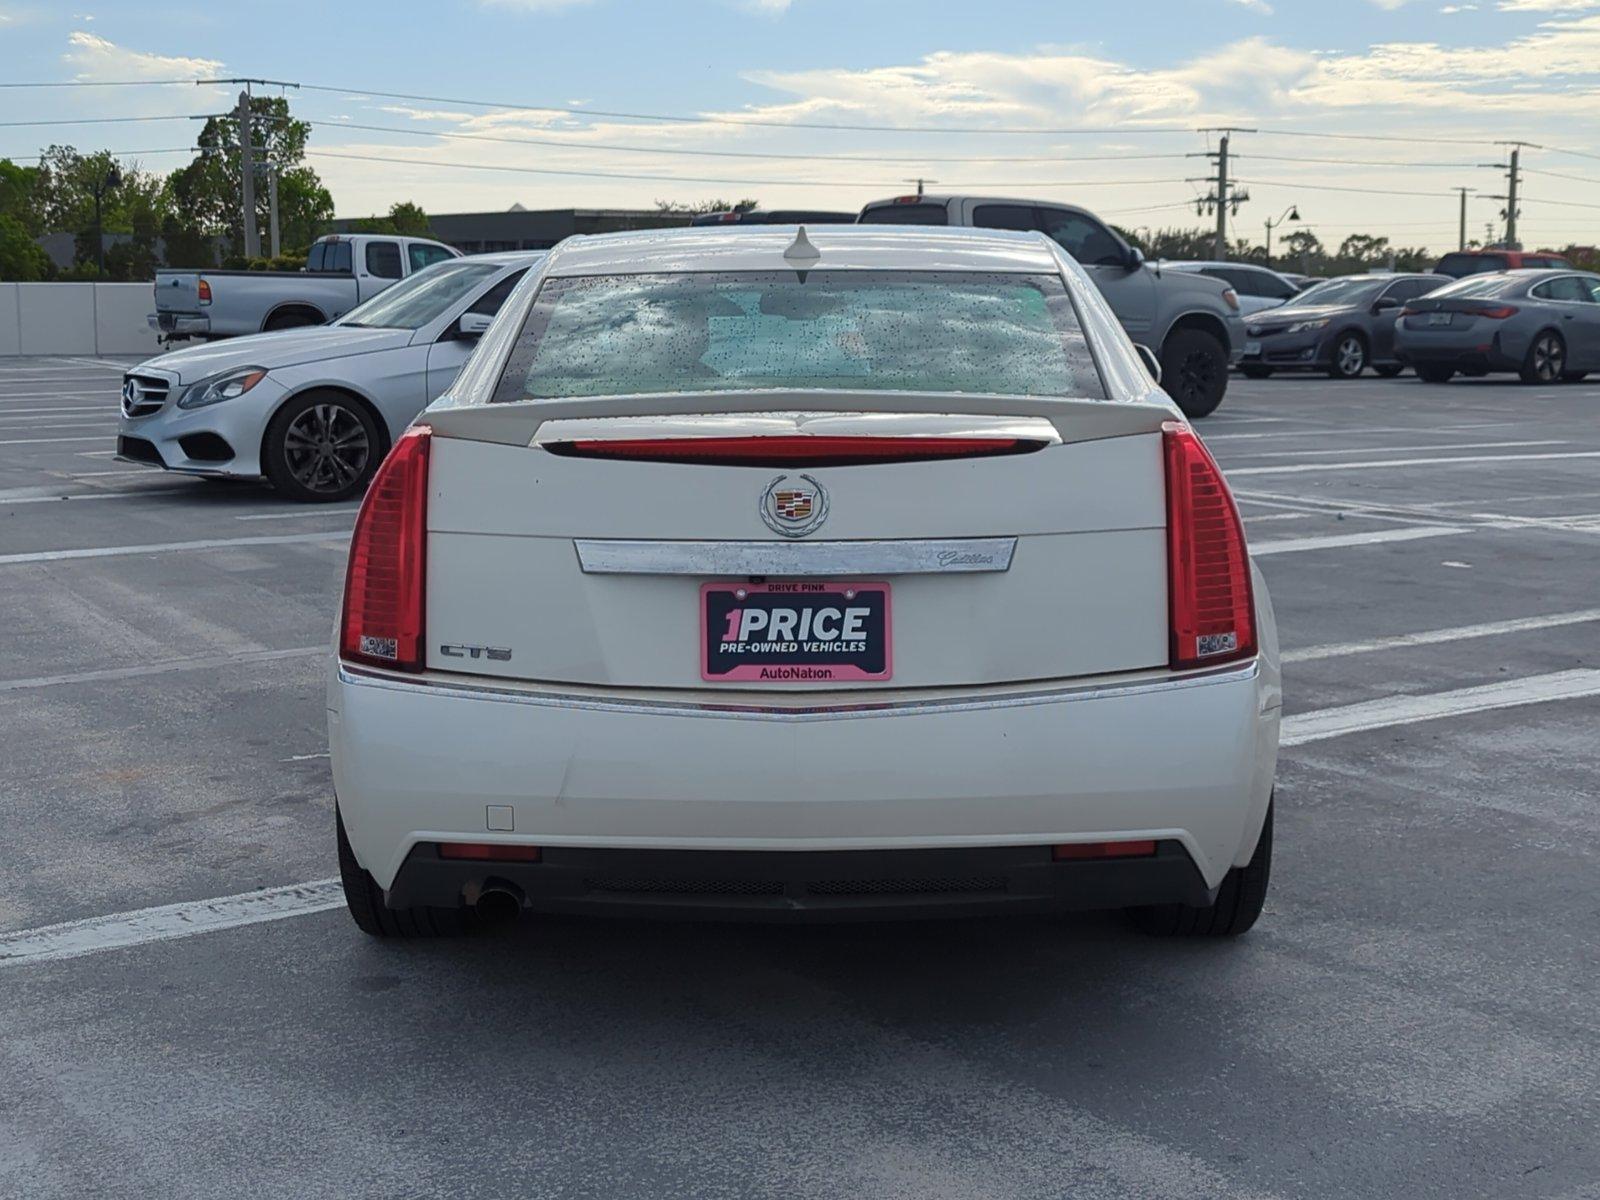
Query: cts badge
[462,650]
[794,505]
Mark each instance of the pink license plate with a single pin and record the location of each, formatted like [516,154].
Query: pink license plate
[794,632]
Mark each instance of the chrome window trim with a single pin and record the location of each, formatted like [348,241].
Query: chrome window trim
[942,556]
[358,676]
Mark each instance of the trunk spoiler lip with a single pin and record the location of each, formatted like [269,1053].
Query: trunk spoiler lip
[692,426]
[521,423]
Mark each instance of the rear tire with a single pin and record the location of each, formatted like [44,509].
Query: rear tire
[1546,361]
[1435,374]
[293,319]
[1194,371]
[372,916]
[1238,904]
[1252,371]
[1349,357]
[1388,371]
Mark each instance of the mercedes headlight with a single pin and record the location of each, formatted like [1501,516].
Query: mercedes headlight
[1307,326]
[228,386]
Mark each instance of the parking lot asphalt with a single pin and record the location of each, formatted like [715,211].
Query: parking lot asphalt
[1415,1014]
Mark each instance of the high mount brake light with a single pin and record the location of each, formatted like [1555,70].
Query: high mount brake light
[382,621]
[793,450]
[1211,603]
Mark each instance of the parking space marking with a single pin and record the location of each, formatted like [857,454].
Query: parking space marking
[1389,463]
[72,939]
[1434,637]
[42,441]
[281,539]
[1321,724]
[1337,541]
[307,512]
[1404,449]
[47,494]
[211,663]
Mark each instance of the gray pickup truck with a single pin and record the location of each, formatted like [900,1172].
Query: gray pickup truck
[341,271]
[1190,321]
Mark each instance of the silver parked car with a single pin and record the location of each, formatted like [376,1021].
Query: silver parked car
[1342,326]
[1542,324]
[314,410]
[1258,288]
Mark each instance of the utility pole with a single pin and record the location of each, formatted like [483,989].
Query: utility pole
[247,175]
[1461,241]
[247,165]
[919,181]
[272,204]
[1513,173]
[1224,198]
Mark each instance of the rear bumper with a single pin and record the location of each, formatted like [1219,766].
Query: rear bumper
[1188,760]
[1463,351]
[859,884]
[174,324]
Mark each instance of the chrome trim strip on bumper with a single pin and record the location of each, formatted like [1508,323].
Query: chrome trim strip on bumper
[356,676]
[901,557]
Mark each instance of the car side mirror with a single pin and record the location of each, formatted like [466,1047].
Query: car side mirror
[1135,258]
[1152,364]
[473,325]
[1385,304]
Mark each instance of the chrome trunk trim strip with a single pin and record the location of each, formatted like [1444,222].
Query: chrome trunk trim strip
[901,557]
[357,676]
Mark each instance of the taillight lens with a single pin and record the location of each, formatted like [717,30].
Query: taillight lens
[383,588]
[204,291]
[793,450]
[1496,312]
[1210,600]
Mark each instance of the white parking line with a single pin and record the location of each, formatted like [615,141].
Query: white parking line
[212,663]
[1402,449]
[1408,710]
[1390,463]
[1433,637]
[282,539]
[305,512]
[41,441]
[72,939]
[1338,541]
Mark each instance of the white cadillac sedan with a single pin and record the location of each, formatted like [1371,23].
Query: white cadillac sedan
[862,571]
[315,409]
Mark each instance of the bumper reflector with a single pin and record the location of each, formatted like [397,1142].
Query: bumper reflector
[488,852]
[1076,850]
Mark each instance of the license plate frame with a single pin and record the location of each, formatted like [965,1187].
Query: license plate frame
[1252,349]
[1438,320]
[863,608]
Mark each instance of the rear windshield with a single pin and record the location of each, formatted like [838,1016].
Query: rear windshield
[1475,287]
[918,331]
[1457,265]
[905,214]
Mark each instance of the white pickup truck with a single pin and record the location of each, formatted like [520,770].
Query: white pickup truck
[341,271]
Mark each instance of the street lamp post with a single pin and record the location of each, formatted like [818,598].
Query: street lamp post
[1292,213]
[111,180]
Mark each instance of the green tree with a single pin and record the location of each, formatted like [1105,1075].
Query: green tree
[21,258]
[708,206]
[17,188]
[405,219]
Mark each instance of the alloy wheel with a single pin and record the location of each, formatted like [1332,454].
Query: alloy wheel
[1196,376]
[326,448]
[1549,358]
[1352,357]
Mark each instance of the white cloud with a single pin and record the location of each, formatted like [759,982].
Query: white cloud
[1259,6]
[774,8]
[1549,6]
[1450,9]
[91,57]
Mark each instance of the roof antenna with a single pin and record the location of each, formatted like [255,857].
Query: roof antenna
[801,250]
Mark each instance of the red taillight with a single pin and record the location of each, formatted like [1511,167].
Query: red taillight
[793,450]
[906,199]
[1410,312]
[383,588]
[488,852]
[1498,312]
[204,291]
[1072,850]
[1210,602]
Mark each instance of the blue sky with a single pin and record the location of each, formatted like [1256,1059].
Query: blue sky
[1430,70]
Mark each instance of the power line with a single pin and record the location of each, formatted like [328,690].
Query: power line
[1354,162]
[90,121]
[67,83]
[852,183]
[112,153]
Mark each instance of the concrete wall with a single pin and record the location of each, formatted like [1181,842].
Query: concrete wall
[76,318]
